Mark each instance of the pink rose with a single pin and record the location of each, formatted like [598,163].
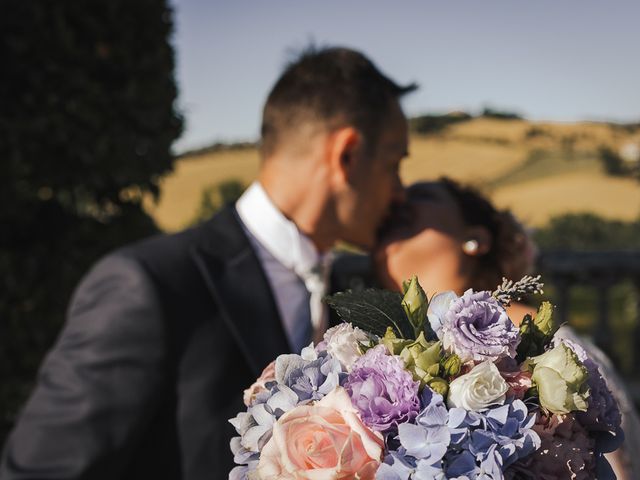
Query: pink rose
[519,382]
[326,440]
[267,375]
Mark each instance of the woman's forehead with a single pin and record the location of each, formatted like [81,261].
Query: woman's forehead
[434,207]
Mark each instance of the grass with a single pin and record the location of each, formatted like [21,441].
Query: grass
[538,200]
[537,169]
[433,157]
[541,164]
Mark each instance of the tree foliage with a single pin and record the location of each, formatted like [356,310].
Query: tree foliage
[587,231]
[429,124]
[612,162]
[86,127]
[214,197]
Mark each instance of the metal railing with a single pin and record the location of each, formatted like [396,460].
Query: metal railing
[602,271]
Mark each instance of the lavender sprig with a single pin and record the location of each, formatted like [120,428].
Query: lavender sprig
[510,291]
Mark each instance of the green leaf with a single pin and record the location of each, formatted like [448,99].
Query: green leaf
[372,310]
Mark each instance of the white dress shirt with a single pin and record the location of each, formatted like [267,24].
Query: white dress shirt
[296,271]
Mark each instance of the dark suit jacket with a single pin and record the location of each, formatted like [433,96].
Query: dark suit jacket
[352,271]
[160,341]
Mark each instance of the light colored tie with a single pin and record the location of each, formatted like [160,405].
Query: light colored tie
[306,318]
[316,280]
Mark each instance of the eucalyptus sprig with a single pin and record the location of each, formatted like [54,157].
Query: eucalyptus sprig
[510,291]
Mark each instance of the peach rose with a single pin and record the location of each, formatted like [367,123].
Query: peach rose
[326,440]
[259,386]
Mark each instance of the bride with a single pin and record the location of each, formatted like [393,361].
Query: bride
[454,239]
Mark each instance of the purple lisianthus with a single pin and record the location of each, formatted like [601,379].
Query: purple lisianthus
[382,390]
[476,327]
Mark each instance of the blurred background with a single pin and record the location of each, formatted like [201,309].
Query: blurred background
[123,119]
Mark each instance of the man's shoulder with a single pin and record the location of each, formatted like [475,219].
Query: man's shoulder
[223,227]
[170,255]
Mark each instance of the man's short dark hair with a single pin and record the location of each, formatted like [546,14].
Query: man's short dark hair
[332,87]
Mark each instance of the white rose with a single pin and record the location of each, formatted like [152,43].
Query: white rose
[481,387]
[342,343]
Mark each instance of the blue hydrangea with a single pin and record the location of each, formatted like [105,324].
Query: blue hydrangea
[256,424]
[311,376]
[422,445]
[300,379]
[458,443]
[506,428]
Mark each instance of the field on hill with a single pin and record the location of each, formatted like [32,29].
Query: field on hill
[539,170]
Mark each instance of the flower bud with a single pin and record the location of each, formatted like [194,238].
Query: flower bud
[544,319]
[394,344]
[415,303]
[422,359]
[439,385]
[451,365]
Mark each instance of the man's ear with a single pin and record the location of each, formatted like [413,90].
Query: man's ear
[477,241]
[344,153]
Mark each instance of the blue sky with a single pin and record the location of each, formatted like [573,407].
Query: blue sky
[561,60]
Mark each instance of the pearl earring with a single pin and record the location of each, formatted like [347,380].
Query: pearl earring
[470,247]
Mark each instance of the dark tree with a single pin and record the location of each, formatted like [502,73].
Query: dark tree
[588,232]
[612,162]
[86,127]
[428,124]
[489,112]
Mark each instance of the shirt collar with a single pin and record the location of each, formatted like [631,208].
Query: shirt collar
[276,233]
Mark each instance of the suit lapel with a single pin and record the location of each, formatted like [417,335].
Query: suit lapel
[236,280]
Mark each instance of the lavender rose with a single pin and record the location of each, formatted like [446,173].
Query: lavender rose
[476,327]
[382,390]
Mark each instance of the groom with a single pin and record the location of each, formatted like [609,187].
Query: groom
[163,336]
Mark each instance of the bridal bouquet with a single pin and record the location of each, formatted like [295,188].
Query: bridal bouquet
[408,388]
